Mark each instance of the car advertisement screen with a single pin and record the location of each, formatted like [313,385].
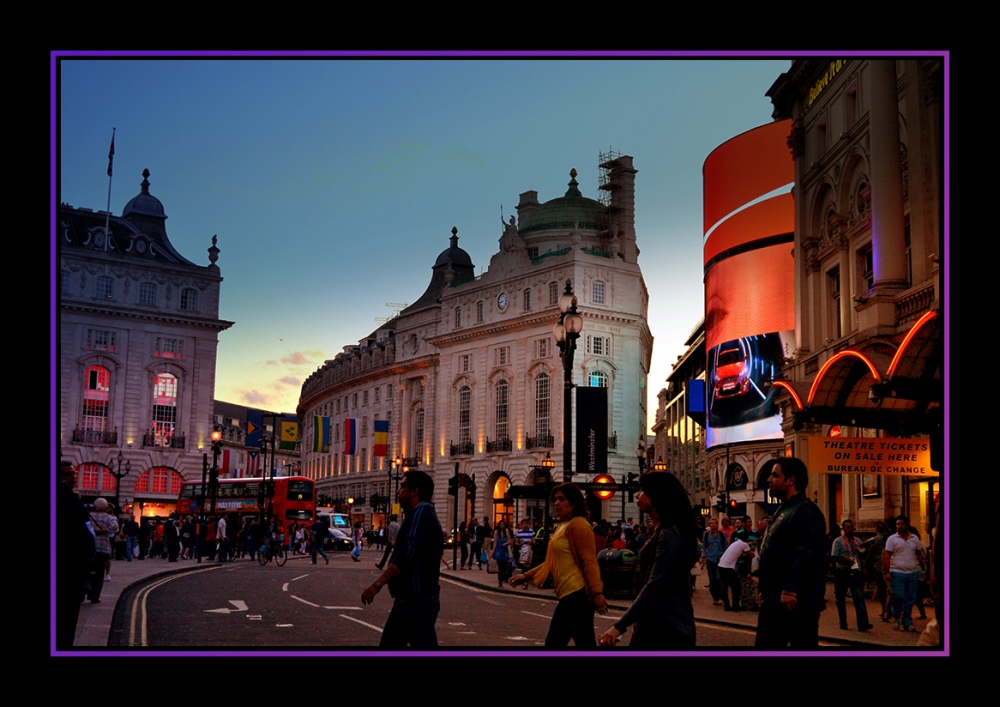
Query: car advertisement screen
[740,398]
[749,223]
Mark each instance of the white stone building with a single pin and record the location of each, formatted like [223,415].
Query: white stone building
[470,374]
[138,334]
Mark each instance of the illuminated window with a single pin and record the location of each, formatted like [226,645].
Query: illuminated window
[542,405]
[105,288]
[598,379]
[159,479]
[95,399]
[502,400]
[147,293]
[465,415]
[189,300]
[100,340]
[598,297]
[169,348]
[87,479]
[164,409]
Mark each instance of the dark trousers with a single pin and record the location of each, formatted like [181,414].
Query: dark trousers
[714,582]
[411,623]
[778,628]
[97,575]
[474,551]
[855,581]
[573,618]
[730,583]
[385,555]
[317,546]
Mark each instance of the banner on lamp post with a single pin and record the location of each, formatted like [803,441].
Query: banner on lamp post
[591,431]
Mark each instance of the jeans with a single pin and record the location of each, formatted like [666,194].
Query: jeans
[904,595]
[714,581]
[855,581]
[573,618]
[131,543]
[317,546]
[411,622]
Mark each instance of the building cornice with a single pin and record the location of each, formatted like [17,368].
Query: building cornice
[400,368]
[215,324]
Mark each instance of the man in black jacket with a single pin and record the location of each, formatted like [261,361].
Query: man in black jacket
[792,563]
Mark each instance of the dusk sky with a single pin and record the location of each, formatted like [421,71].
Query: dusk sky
[333,184]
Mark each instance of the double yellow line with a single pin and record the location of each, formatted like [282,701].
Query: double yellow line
[139,606]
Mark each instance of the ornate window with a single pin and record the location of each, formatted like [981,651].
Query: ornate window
[598,379]
[159,479]
[479,312]
[542,405]
[95,399]
[164,409]
[100,340]
[63,282]
[598,292]
[599,345]
[501,356]
[465,415]
[527,300]
[418,436]
[169,348]
[189,299]
[553,294]
[502,410]
[147,293]
[105,288]
[458,317]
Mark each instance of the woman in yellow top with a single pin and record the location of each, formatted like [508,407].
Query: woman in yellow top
[571,561]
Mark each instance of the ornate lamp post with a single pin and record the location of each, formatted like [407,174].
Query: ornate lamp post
[566,332]
[660,465]
[214,475]
[119,475]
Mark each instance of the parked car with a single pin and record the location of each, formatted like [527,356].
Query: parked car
[338,540]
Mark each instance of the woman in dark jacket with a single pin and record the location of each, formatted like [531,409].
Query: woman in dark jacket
[662,613]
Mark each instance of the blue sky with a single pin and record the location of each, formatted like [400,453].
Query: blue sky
[334,183]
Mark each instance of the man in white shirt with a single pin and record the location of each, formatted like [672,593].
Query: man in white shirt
[728,574]
[220,535]
[903,565]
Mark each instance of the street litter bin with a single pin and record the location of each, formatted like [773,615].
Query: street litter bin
[618,572]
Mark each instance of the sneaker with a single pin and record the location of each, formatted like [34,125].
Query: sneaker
[895,625]
[107,578]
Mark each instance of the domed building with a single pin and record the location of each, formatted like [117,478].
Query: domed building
[138,335]
[470,376]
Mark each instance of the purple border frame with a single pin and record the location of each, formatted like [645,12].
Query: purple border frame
[56,55]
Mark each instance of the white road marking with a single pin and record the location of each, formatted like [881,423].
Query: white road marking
[358,621]
[466,633]
[238,603]
[490,601]
[301,576]
[518,638]
[284,587]
[344,608]
[304,601]
[541,616]
[455,623]
[731,629]
[255,617]
[283,625]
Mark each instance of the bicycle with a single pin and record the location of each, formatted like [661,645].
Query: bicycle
[272,550]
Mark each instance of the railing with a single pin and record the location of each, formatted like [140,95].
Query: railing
[411,461]
[94,437]
[462,448]
[613,441]
[170,441]
[914,302]
[540,442]
[500,445]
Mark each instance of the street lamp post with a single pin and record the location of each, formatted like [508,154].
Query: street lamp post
[119,475]
[566,332]
[216,452]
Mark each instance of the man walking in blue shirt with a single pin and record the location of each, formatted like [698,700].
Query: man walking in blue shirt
[414,568]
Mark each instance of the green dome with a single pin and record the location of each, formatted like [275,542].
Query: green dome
[560,213]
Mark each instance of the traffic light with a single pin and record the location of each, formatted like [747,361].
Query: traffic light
[631,477]
[452,486]
[373,501]
[720,504]
[732,504]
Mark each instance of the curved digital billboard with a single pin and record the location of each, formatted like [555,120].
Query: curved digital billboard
[749,224]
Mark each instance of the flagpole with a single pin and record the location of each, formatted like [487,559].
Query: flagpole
[107,215]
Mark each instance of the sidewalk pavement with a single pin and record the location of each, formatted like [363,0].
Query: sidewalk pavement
[94,624]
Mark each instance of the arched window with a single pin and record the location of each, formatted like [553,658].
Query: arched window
[159,479]
[465,415]
[598,379]
[503,400]
[419,436]
[164,409]
[542,405]
[97,383]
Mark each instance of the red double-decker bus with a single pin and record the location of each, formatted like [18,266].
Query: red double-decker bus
[294,497]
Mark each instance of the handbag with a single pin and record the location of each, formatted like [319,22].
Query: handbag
[483,560]
[356,552]
[492,567]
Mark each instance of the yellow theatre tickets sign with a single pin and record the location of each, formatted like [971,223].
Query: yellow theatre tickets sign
[889,456]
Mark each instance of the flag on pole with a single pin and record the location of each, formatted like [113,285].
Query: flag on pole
[321,434]
[381,438]
[289,435]
[253,463]
[255,427]
[350,435]
[224,467]
[111,152]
